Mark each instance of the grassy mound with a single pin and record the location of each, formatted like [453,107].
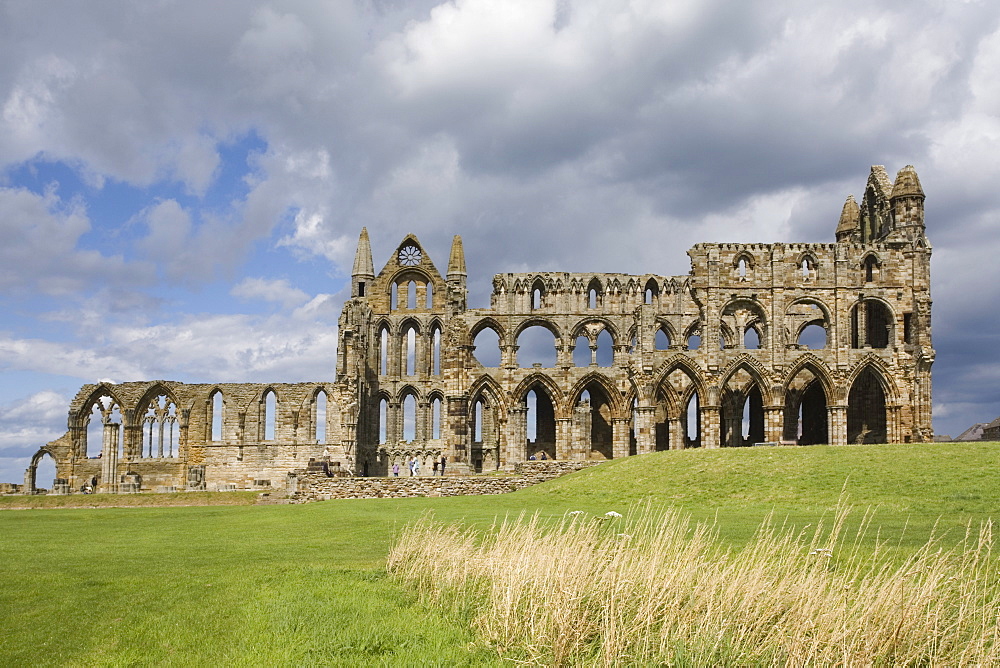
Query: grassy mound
[306,584]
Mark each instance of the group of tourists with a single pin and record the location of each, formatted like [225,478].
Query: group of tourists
[414,466]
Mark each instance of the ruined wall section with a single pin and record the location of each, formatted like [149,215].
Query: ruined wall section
[243,452]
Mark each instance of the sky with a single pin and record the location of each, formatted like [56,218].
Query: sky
[182,184]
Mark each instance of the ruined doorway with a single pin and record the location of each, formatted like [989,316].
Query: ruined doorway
[866,419]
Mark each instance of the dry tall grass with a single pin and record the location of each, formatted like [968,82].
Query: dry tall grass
[656,588]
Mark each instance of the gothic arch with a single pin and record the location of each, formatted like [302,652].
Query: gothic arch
[520,393]
[102,390]
[882,372]
[408,322]
[580,329]
[685,364]
[818,368]
[536,321]
[612,393]
[489,322]
[756,370]
[486,383]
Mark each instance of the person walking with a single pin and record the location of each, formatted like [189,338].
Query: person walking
[395,470]
[443,462]
[416,467]
[435,472]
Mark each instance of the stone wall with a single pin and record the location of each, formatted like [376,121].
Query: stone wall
[305,487]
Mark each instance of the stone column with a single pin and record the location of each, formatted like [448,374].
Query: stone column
[676,431]
[619,437]
[564,438]
[582,432]
[109,459]
[517,434]
[836,425]
[709,417]
[645,436]
[774,423]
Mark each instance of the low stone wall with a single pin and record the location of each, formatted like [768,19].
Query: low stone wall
[305,487]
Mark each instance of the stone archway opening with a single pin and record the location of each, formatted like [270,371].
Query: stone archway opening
[742,411]
[541,431]
[592,422]
[806,420]
[866,415]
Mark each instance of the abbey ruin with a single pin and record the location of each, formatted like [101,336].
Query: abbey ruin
[784,343]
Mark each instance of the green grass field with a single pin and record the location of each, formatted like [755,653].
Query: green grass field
[306,585]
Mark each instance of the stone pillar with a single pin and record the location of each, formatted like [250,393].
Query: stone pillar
[394,422]
[517,434]
[645,436]
[109,459]
[774,423]
[508,356]
[709,418]
[676,431]
[582,432]
[892,425]
[836,425]
[564,438]
[619,437]
[422,431]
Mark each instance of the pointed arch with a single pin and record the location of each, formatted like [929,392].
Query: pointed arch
[815,365]
[753,367]
[614,396]
[685,364]
[488,384]
[538,378]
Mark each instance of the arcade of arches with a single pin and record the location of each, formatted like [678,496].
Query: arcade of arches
[795,343]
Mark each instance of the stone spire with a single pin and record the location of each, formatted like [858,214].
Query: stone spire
[907,184]
[456,277]
[364,269]
[456,262]
[907,203]
[849,217]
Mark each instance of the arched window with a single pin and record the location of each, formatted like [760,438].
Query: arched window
[217,407]
[409,418]
[594,293]
[751,339]
[536,345]
[436,352]
[871,266]
[813,337]
[741,268]
[487,347]
[320,412]
[605,354]
[436,418]
[394,298]
[384,352]
[160,432]
[383,420]
[411,295]
[652,291]
[694,342]
[430,296]
[477,435]
[411,351]
[662,340]
[104,422]
[270,410]
[692,418]
[581,352]
[537,294]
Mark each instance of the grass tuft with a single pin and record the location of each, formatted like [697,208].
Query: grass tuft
[655,587]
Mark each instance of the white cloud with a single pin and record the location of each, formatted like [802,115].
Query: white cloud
[40,246]
[277,290]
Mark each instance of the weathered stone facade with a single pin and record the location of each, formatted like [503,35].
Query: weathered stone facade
[786,343]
